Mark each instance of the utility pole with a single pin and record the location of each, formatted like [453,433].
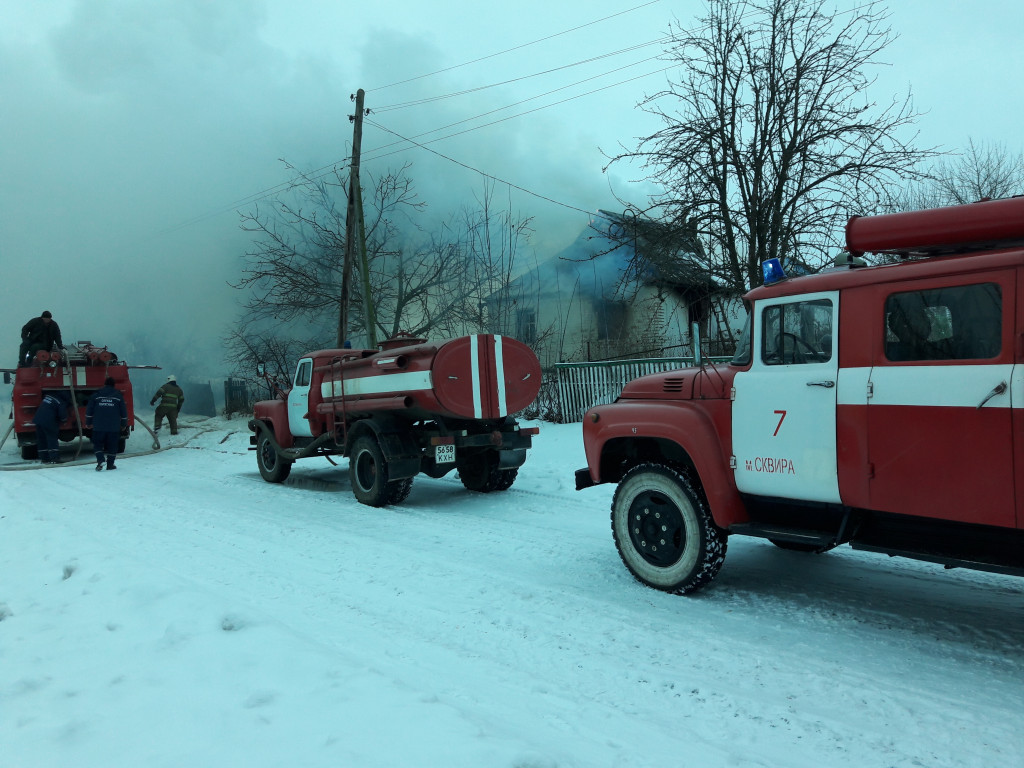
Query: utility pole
[353,221]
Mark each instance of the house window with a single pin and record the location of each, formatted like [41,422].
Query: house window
[611,319]
[526,326]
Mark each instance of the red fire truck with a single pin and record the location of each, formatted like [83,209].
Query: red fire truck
[880,406]
[407,407]
[77,371]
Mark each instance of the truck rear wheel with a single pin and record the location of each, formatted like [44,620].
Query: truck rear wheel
[273,468]
[398,491]
[368,472]
[663,530]
[480,473]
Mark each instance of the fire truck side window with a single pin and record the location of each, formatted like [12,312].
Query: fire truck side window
[797,333]
[303,373]
[962,322]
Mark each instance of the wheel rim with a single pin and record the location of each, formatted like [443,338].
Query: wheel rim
[268,455]
[366,470]
[656,529]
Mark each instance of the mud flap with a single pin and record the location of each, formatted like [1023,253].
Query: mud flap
[401,453]
[511,459]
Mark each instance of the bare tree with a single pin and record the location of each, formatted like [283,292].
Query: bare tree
[247,345]
[494,239]
[419,284]
[980,172]
[770,138]
[293,270]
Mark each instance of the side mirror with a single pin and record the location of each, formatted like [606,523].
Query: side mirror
[7,377]
[261,369]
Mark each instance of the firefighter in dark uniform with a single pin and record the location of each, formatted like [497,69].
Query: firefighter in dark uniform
[107,415]
[38,333]
[171,399]
[50,414]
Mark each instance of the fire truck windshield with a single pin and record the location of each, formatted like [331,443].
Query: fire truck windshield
[742,354]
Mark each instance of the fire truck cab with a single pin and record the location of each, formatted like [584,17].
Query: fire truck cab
[879,406]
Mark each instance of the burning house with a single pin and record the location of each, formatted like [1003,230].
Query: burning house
[627,287]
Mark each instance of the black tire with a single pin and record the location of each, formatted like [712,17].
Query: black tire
[795,546]
[506,478]
[398,491]
[29,452]
[273,468]
[368,472]
[664,532]
[480,473]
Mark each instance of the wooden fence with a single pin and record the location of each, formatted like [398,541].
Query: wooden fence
[583,385]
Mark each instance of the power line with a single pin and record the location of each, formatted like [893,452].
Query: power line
[375,153]
[504,119]
[532,98]
[427,100]
[324,170]
[331,167]
[515,48]
[477,170]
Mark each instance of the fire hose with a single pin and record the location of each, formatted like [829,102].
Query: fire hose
[74,400]
[7,434]
[156,440]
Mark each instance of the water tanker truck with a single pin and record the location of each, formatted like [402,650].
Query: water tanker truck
[406,407]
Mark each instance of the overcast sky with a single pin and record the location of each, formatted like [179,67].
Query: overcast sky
[132,130]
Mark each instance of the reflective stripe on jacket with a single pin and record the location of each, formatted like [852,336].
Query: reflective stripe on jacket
[170,396]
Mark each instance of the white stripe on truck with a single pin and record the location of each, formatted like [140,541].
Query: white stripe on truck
[474,365]
[499,370]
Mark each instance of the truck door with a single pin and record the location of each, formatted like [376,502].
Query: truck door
[784,410]
[940,421]
[298,400]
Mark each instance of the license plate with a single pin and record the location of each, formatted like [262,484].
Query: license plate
[444,454]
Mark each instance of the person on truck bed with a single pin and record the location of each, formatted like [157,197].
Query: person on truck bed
[38,333]
[171,399]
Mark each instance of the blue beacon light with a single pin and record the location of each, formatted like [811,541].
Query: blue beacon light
[772,271]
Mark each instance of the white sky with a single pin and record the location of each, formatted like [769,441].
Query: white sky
[130,132]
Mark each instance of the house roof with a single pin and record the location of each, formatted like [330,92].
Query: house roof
[615,252]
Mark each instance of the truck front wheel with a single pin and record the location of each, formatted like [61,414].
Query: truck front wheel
[663,530]
[273,468]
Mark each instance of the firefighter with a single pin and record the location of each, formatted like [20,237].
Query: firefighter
[38,333]
[171,399]
[107,416]
[50,414]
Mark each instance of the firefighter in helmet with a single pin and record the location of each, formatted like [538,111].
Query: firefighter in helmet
[171,399]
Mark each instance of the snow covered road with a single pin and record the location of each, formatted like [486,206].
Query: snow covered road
[180,611]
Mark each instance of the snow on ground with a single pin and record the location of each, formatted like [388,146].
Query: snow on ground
[182,612]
